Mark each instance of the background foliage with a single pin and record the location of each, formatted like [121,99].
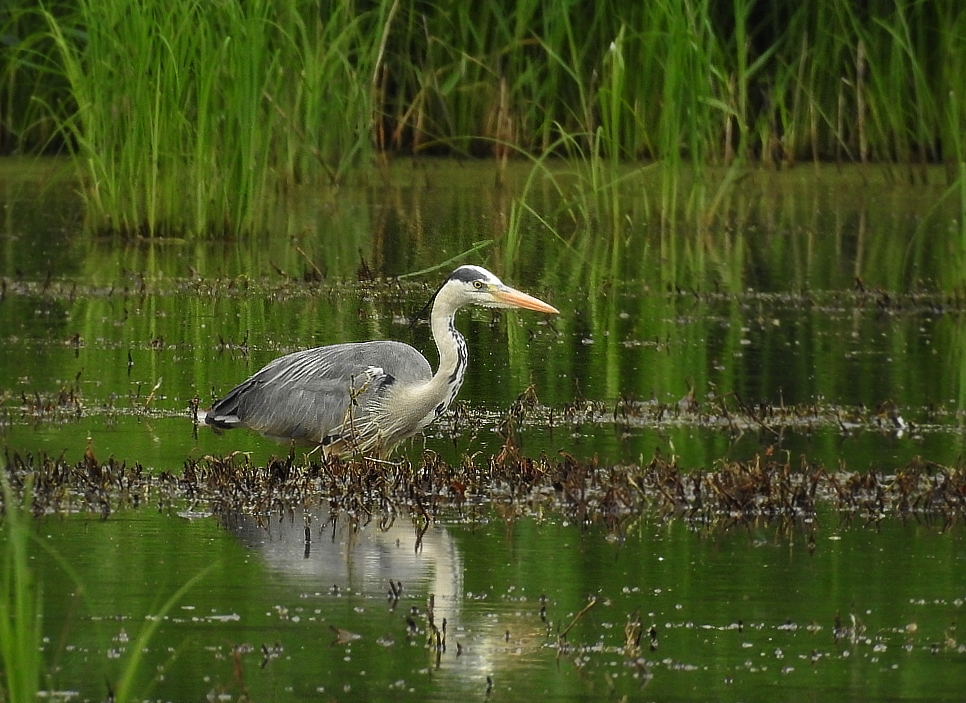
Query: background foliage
[192,117]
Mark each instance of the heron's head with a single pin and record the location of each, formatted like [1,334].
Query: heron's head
[477,286]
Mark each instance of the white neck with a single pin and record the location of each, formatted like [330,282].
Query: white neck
[452,351]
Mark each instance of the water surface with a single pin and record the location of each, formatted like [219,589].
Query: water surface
[743,614]
[816,316]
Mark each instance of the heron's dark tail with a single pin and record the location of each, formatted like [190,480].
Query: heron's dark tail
[221,422]
[224,413]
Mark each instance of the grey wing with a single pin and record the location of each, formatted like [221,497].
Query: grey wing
[304,396]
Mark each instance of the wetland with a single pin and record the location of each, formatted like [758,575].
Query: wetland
[729,469]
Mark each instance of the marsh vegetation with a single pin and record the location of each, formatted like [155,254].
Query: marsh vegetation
[197,119]
[731,468]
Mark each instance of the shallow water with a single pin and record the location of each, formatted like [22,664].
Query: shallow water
[743,614]
[123,369]
[817,317]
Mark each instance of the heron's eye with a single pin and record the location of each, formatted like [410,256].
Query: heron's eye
[478,285]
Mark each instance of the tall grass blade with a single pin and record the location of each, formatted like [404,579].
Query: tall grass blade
[20,605]
[132,670]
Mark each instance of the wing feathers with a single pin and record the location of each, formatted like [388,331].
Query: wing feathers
[305,395]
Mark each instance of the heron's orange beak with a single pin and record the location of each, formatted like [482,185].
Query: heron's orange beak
[513,298]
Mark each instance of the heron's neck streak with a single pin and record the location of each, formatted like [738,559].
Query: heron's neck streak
[452,353]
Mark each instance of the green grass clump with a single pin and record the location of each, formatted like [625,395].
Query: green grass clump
[196,117]
[193,117]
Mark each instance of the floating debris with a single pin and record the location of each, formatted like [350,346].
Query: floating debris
[585,492]
[343,636]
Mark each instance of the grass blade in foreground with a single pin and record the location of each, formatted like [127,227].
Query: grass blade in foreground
[132,670]
[20,611]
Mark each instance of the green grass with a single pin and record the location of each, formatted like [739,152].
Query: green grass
[20,610]
[198,118]
[134,670]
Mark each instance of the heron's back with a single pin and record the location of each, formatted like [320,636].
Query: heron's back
[305,396]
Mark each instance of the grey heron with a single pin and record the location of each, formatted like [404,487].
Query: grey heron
[367,397]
